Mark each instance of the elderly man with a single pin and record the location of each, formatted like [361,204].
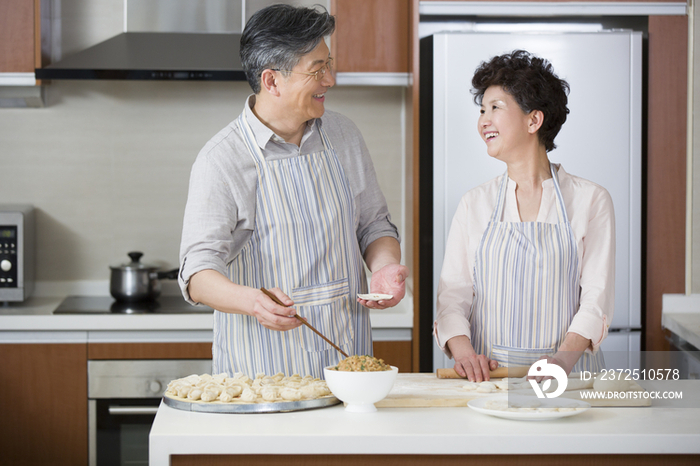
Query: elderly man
[286,198]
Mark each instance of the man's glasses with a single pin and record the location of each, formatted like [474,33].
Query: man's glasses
[318,74]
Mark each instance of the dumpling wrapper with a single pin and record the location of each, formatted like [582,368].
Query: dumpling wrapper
[375,296]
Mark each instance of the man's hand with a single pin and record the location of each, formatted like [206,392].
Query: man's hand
[273,316]
[390,279]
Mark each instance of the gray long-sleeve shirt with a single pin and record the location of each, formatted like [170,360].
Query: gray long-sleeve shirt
[220,211]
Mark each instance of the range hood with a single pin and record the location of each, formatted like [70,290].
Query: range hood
[154,56]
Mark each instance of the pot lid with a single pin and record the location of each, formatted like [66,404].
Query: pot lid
[135,263]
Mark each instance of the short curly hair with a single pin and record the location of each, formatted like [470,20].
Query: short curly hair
[532,83]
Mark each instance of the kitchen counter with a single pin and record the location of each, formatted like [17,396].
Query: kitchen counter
[659,429]
[681,315]
[33,321]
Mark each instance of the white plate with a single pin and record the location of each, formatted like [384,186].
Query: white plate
[375,296]
[481,405]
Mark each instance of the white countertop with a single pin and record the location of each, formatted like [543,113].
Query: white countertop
[33,321]
[681,315]
[642,430]
[37,314]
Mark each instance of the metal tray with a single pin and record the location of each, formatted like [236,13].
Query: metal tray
[250,408]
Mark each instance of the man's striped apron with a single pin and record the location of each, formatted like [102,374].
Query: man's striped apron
[303,242]
[526,285]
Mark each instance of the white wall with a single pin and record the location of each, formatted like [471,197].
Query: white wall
[106,163]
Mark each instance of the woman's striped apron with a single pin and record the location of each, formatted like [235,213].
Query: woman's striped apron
[303,242]
[526,286]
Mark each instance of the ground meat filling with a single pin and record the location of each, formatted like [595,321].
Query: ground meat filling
[362,364]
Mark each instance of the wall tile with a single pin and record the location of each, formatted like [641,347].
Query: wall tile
[107,164]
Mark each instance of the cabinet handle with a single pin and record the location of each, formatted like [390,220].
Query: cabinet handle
[131,410]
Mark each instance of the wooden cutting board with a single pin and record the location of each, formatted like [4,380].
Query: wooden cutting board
[426,390]
[518,371]
[423,390]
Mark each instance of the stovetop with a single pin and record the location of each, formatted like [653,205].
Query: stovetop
[108,305]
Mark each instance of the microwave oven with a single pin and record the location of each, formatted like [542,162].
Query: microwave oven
[17,246]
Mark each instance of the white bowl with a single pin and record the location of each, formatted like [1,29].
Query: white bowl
[360,390]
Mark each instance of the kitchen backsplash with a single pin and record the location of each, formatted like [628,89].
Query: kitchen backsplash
[107,163]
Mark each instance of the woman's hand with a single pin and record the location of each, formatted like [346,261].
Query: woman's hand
[475,367]
[273,316]
[568,354]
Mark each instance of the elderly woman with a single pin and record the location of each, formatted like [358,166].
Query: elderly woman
[530,257]
[286,198]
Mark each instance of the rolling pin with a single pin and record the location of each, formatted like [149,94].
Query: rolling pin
[514,371]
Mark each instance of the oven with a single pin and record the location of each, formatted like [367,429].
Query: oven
[124,394]
[123,397]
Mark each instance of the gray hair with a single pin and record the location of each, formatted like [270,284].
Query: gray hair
[278,36]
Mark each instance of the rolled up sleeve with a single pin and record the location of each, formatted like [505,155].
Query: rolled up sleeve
[597,283]
[209,220]
[455,289]
[374,218]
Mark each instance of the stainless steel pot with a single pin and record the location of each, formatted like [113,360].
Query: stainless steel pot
[136,281]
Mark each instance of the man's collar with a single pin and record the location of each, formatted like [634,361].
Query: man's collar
[264,134]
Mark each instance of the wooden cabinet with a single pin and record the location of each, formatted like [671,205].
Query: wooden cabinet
[43,406]
[20,38]
[44,402]
[371,36]
[395,353]
[149,351]
[433,460]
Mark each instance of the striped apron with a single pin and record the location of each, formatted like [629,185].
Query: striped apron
[303,242]
[526,287]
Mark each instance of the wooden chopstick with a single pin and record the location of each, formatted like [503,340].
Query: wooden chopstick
[304,321]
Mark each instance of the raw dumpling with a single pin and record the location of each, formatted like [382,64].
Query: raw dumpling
[312,391]
[226,397]
[241,388]
[213,387]
[184,390]
[502,385]
[290,394]
[233,390]
[194,394]
[209,395]
[249,395]
[486,387]
[270,393]
[268,380]
[322,389]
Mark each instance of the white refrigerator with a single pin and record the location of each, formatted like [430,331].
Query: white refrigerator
[600,141]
